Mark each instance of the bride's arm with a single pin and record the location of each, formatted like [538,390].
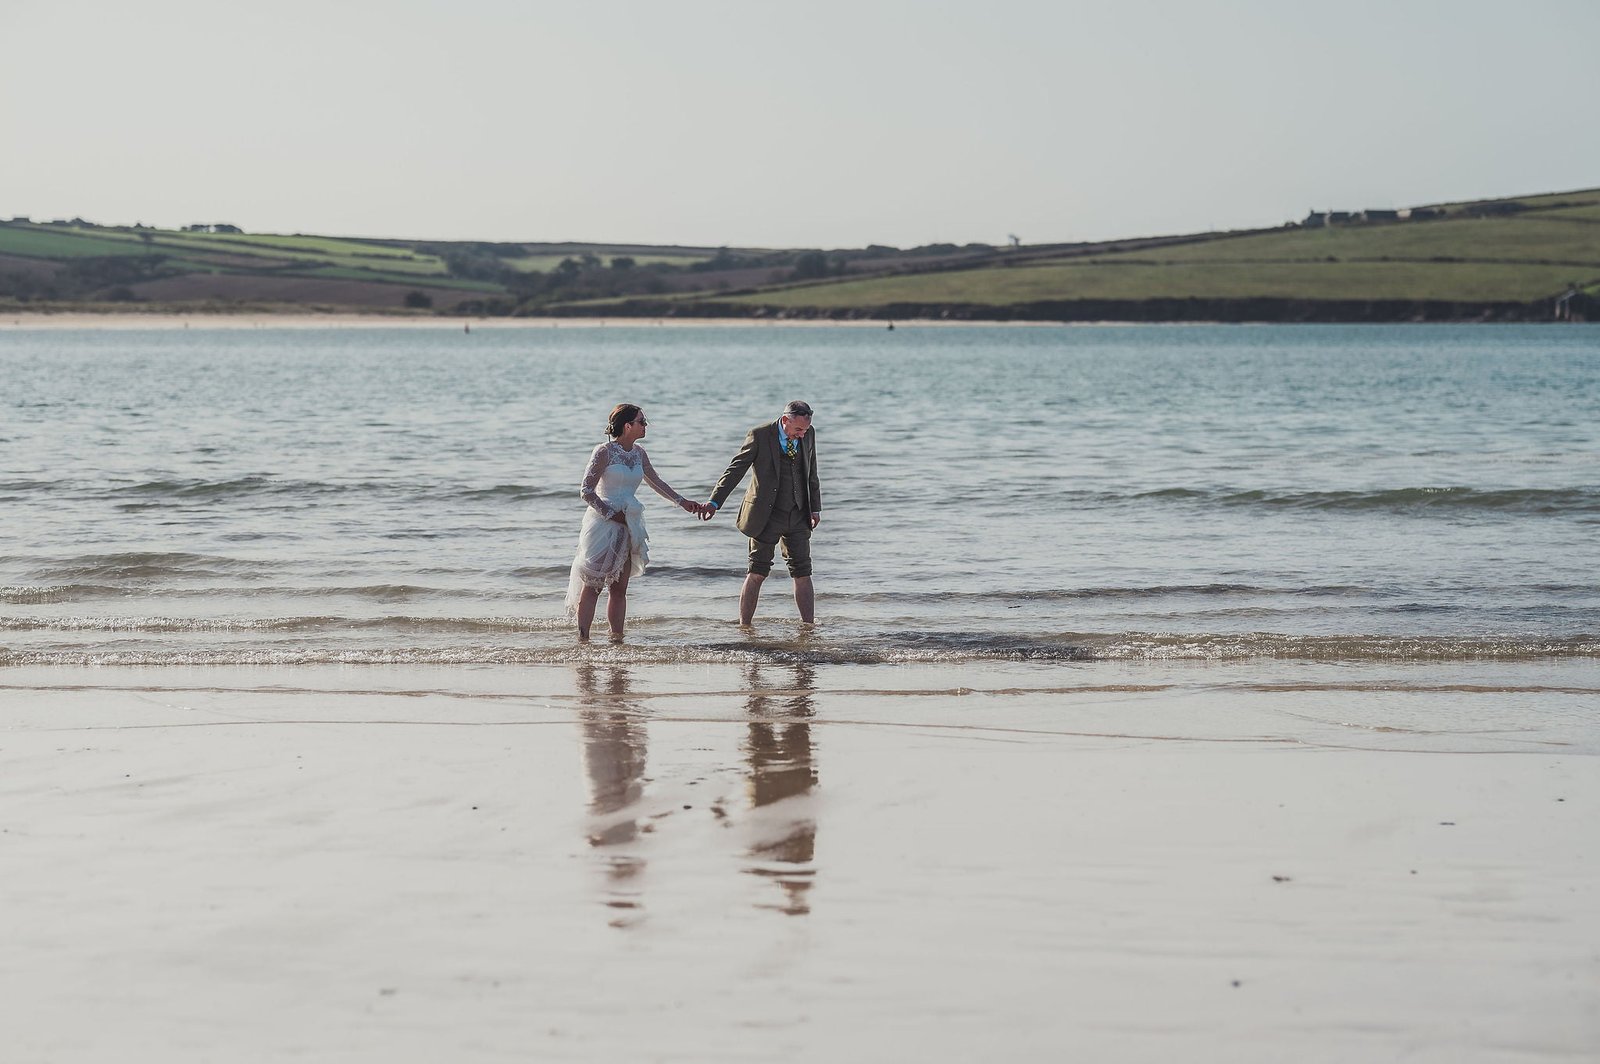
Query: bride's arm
[591,476]
[662,488]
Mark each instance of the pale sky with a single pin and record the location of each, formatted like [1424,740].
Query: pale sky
[812,123]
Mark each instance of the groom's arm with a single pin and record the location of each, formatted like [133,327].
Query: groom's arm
[735,471]
[813,486]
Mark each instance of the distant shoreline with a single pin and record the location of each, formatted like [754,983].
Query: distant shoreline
[37,320]
[1266,310]
[217,321]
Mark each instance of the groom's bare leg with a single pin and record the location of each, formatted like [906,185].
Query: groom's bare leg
[806,599]
[749,595]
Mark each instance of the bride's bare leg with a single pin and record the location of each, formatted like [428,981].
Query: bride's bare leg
[586,604]
[617,605]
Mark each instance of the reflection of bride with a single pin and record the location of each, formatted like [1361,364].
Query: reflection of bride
[613,544]
[614,759]
[613,753]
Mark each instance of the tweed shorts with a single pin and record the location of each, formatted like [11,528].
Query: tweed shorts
[791,528]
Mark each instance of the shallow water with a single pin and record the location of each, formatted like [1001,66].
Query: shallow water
[1320,494]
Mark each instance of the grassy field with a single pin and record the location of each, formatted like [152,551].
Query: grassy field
[1590,213]
[48,243]
[1131,281]
[546,263]
[314,260]
[275,251]
[383,275]
[303,245]
[277,258]
[1462,257]
[1533,238]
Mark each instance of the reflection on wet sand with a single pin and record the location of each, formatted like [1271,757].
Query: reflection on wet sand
[614,757]
[777,842]
[782,762]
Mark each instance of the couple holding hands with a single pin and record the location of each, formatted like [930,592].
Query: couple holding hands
[781,506]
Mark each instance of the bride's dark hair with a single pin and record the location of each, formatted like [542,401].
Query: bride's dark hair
[621,414]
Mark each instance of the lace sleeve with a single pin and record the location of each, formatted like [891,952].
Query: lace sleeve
[591,476]
[663,489]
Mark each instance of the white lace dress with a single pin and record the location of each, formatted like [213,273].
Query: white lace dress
[606,548]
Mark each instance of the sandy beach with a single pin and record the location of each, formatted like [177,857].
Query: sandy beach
[608,861]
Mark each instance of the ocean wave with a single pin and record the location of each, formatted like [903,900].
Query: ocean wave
[508,493]
[1219,590]
[695,572]
[206,489]
[43,595]
[308,624]
[940,648]
[1517,501]
[1344,648]
[137,565]
[188,490]
[192,489]
[49,594]
[561,571]
[30,485]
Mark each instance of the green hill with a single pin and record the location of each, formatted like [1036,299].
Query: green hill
[1494,259]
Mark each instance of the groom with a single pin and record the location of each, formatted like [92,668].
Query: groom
[782,505]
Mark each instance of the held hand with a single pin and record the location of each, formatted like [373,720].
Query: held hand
[816,519]
[690,506]
[707,511]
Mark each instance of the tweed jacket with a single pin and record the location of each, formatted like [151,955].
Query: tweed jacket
[761,455]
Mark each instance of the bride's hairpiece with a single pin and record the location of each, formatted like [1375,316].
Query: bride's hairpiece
[621,414]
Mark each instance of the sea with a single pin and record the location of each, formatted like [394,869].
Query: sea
[1365,497]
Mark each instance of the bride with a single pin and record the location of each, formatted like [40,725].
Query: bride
[612,545]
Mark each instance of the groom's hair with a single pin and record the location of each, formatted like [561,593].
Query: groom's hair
[621,414]
[798,409]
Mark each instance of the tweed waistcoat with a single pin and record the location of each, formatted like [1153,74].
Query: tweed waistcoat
[791,488]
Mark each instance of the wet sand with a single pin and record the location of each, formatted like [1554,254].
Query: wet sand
[780,862]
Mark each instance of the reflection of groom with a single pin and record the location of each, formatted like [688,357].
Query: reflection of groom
[782,505]
[783,768]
